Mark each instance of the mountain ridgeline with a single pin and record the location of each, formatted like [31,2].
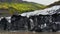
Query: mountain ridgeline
[10,0]
[18,6]
[53,4]
[34,19]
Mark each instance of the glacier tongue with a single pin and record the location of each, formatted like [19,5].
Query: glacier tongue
[47,11]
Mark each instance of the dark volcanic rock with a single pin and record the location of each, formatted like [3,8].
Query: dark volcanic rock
[33,22]
[18,22]
[4,24]
[37,23]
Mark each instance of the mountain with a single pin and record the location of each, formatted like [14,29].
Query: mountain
[10,0]
[48,11]
[18,8]
[53,4]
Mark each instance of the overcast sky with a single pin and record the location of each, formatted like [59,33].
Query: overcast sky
[45,2]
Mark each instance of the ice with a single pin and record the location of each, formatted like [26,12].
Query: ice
[1,18]
[47,11]
[8,19]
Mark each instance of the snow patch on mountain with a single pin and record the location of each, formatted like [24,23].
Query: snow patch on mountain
[1,18]
[47,11]
[8,19]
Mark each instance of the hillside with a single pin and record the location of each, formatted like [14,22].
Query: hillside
[21,7]
[54,4]
[11,0]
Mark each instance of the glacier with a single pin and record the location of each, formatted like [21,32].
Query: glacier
[47,11]
[45,20]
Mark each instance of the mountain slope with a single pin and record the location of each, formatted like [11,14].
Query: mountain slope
[21,7]
[11,0]
[53,4]
[51,9]
[48,11]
